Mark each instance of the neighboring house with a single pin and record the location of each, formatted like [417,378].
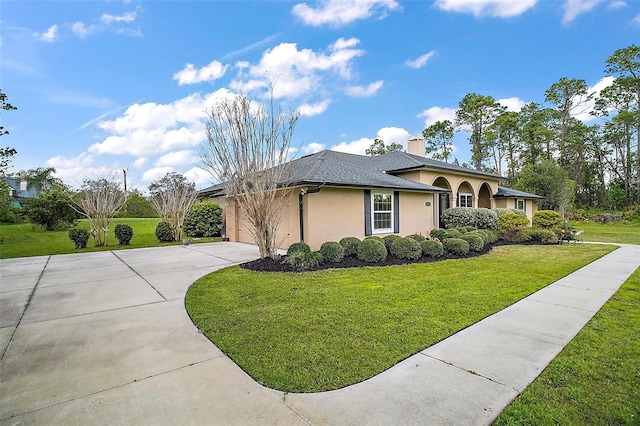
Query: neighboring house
[338,195]
[18,191]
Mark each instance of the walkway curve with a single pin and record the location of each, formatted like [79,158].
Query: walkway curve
[78,348]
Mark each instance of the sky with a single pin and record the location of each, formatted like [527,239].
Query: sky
[103,86]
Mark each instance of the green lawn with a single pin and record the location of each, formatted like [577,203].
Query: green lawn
[626,233]
[329,329]
[23,240]
[595,380]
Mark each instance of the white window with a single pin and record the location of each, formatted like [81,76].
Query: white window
[520,205]
[23,185]
[382,209]
[465,200]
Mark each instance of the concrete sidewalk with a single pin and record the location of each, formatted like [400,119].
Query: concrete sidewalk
[123,350]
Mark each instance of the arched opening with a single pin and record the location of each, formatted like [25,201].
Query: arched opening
[484,196]
[444,200]
[464,196]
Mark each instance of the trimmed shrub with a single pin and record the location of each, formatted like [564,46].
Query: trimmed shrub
[305,259]
[332,252]
[546,219]
[456,217]
[545,236]
[390,239]
[452,233]
[455,246]
[80,237]
[124,233]
[437,233]
[203,220]
[501,211]
[350,245]
[513,227]
[164,232]
[461,229]
[298,247]
[485,219]
[432,248]
[471,228]
[476,242]
[419,238]
[406,248]
[374,237]
[371,250]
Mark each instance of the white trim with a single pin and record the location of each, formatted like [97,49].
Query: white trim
[373,212]
[465,194]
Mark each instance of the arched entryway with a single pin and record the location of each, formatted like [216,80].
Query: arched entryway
[484,196]
[444,200]
[464,195]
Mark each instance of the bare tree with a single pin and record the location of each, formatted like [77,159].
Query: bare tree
[99,200]
[247,150]
[172,197]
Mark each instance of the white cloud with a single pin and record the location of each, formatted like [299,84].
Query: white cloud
[493,8]
[309,110]
[178,158]
[140,162]
[421,61]
[343,43]
[617,4]
[394,135]
[73,170]
[387,134]
[355,147]
[573,8]
[156,173]
[636,20]
[191,75]
[337,13]
[127,17]
[584,112]
[513,104]
[199,176]
[81,30]
[50,36]
[364,91]
[251,47]
[434,114]
[312,148]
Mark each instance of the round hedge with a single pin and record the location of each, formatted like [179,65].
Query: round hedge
[406,248]
[80,237]
[350,245]
[476,243]
[452,233]
[455,246]
[432,248]
[372,250]
[390,239]
[203,220]
[545,236]
[437,233]
[298,247]
[546,219]
[164,233]
[513,227]
[305,259]
[332,252]
[461,229]
[123,233]
[419,238]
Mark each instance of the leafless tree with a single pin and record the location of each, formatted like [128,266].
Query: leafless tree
[247,151]
[99,200]
[172,197]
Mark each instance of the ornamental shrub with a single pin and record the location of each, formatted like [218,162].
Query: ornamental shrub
[545,236]
[371,250]
[390,239]
[546,219]
[79,237]
[419,238]
[461,229]
[374,237]
[471,228]
[476,242]
[203,220]
[164,232]
[455,246]
[485,219]
[473,217]
[124,233]
[51,209]
[432,248]
[437,233]
[406,248]
[332,252]
[513,227]
[452,233]
[305,260]
[482,233]
[501,211]
[298,247]
[350,246]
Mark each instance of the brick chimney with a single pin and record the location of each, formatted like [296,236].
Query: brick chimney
[415,145]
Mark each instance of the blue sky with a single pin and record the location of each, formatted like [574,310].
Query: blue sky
[103,86]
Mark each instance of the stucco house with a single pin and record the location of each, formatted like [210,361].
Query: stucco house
[337,195]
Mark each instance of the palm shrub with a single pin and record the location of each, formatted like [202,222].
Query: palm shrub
[332,252]
[476,243]
[203,220]
[390,239]
[372,250]
[432,248]
[80,237]
[455,246]
[452,233]
[406,248]
[164,232]
[298,247]
[419,238]
[123,233]
[513,227]
[546,219]
[437,233]
[305,260]
[350,245]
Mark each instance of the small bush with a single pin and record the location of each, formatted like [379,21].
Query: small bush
[476,242]
[546,219]
[432,248]
[390,239]
[406,248]
[452,233]
[124,233]
[545,236]
[501,211]
[164,233]
[350,246]
[375,237]
[471,228]
[513,227]
[305,260]
[473,217]
[203,220]
[437,233]
[419,238]
[371,250]
[80,237]
[455,246]
[485,219]
[332,252]
[461,229]
[298,247]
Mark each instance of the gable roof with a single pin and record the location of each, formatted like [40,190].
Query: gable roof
[402,161]
[514,193]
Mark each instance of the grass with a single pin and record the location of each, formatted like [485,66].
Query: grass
[325,330]
[595,380]
[625,233]
[22,240]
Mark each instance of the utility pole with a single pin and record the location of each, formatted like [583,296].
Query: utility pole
[124,171]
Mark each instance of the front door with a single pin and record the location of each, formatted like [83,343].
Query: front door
[443,205]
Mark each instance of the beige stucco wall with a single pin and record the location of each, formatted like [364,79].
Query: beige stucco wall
[509,203]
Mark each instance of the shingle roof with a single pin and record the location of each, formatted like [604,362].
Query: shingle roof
[508,192]
[398,161]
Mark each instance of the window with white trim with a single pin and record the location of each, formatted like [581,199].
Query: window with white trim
[521,205]
[465,199]
[382,212]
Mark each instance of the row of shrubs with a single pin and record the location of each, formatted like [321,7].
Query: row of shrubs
[80,237]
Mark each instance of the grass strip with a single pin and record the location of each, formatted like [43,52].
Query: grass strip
[617,232]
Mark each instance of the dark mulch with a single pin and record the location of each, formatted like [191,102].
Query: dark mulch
[281,265]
